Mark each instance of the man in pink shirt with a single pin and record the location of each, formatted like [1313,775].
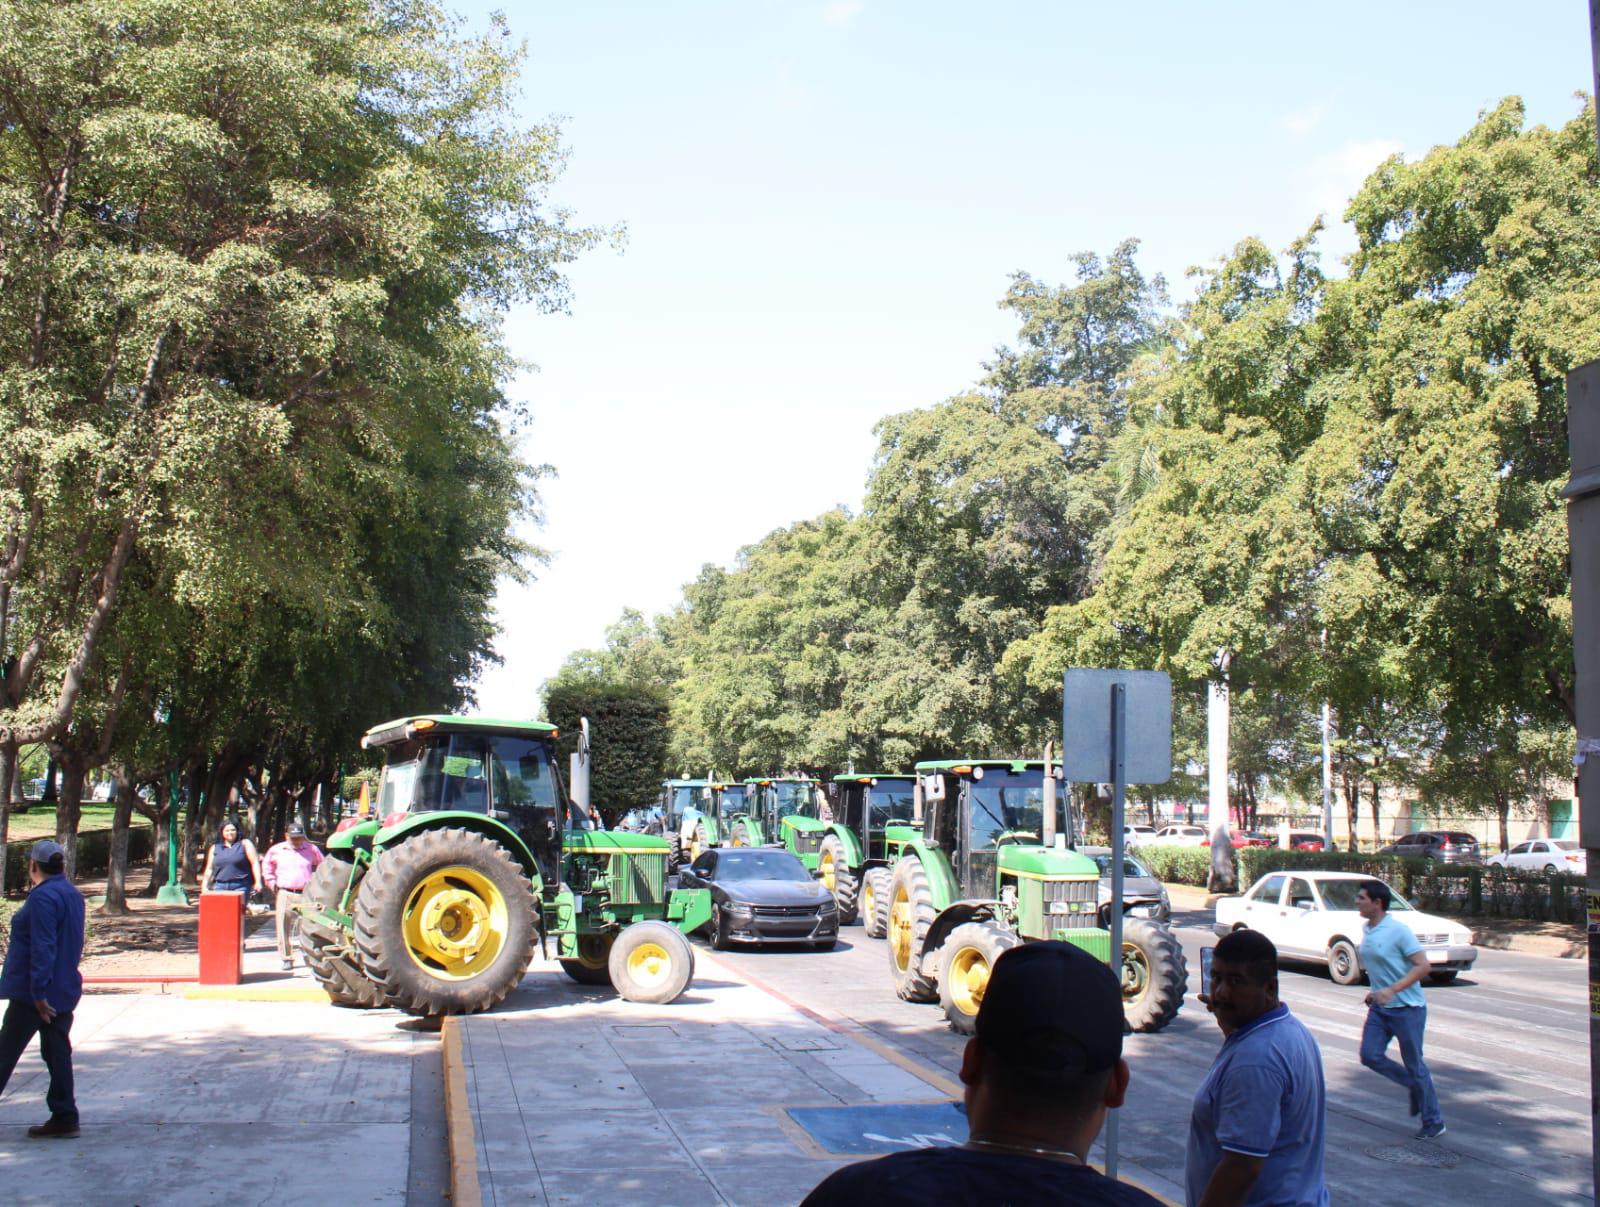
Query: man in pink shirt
[287,870]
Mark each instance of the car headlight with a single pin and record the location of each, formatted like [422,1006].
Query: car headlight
[828,906]
[738,907]
[1462,938]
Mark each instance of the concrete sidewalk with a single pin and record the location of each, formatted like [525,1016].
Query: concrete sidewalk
[576,1096]
[216,1101]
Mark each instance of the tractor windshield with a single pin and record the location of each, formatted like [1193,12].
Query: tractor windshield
[682,798]
[1008,807]
[731,801]
[890,803]
[789,799]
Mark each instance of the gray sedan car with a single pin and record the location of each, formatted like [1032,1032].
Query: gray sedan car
[1143,896]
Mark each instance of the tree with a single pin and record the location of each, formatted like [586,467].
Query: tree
[628,741]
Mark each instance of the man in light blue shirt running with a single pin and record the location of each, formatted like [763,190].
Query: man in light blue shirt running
[1396,964]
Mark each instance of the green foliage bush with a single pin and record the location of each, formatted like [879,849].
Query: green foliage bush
[1460,889]
[628,735]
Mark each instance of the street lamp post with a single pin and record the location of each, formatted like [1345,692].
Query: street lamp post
[171,893]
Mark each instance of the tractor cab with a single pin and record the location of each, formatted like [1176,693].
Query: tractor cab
[779,797]
[503,770]
[974,810]
[681,803]
[871,806]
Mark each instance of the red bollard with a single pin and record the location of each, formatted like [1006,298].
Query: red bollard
[221,938]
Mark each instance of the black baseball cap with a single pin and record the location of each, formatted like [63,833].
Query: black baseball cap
[296,830]
[1052,1009]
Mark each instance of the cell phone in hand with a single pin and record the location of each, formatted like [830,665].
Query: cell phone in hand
[1205,969]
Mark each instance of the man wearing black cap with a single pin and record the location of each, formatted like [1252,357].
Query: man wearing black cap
[41,983]
[1045,1065]
[287,869]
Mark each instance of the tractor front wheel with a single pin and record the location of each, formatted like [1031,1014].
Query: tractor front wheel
[1154,975]
[326,951]
[875,902]
[444,923]
[697,842]
[651,962]
[593,963]
[911,916]
[965,960]
[833,869]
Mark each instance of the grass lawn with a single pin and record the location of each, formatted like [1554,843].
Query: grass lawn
[40,821]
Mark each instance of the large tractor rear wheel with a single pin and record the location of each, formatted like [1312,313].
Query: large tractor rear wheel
[677,859]
[651,962]
[697,843]
[326,951]
[1154,975]
[911,915]
[593,965]
[833,869]
[964,963]
[875,902]
[444,923]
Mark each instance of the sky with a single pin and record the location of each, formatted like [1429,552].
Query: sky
[824,201]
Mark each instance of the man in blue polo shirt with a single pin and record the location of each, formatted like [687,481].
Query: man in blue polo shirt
[1260,1117]
[1396,964]
[41,984]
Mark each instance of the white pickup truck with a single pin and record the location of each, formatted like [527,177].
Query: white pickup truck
[1312,916]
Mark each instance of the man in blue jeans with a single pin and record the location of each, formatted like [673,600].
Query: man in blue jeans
[1395,965]
[41,984]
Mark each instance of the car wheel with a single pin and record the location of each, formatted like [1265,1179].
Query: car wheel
[1442,978]
[1343,965]
[719,929]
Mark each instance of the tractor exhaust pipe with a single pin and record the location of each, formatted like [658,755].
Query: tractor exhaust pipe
[1049,796]
[581,766]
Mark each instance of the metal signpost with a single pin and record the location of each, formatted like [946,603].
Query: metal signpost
[171,893]
[1116,728]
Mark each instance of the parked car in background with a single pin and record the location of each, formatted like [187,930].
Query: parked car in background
[763,894]
[1543,855]
[1250,838]
[1143,896]
[1312,916]
[1134,836]
[1181,835]
[1442,846]
[1307,840]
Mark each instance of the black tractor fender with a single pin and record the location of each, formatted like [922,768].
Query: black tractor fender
[957,913]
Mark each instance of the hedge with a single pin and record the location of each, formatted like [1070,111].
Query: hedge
[94,853]
[628,742]
[1463,890]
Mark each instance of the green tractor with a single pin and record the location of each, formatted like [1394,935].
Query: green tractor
[990,868]
[681,801]
[474,854]
[712,820]
[854,852]
[773,801]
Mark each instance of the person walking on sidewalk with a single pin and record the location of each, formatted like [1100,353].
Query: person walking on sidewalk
[232,865]
[287,870]
[41,983]
[1041,1072]
[1258,1130]
[1396,964]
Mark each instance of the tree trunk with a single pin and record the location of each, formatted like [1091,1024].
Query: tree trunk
[69,810]
[1502,807]
[1377,820]
[117,870]
[163,840]
[1224,871]
[1352,804]
[49,795]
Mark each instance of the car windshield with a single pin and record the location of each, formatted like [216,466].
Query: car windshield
[1130,867]
[1341,894]
[889,803]
[760,865]
[1010,804]
[1564,844]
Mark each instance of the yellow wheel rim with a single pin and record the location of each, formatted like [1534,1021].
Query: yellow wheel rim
[900,936]
[650,965]
[825,866]
[968,977]
[594,951]
[1135,973]
[868,902]
[455,923]
[738,836]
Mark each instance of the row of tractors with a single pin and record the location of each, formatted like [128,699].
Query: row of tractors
[952,865]
[474,854]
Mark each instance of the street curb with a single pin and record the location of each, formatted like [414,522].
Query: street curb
[1191,896]
[258,993]
[464,1188]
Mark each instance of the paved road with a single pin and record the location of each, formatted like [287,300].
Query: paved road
[1507,1045]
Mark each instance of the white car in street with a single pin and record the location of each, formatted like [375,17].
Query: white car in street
[1312,916]
[1137,835]
[1179,835]
[1543,855]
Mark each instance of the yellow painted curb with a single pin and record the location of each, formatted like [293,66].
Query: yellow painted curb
[464,1188]
[258,993]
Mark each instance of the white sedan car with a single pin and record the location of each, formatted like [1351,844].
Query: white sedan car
[1543,855]
[1136,835]
[1180,835]
[1312,916]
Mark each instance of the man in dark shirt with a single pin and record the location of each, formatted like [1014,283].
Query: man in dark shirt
[1040,1073]
[41,984]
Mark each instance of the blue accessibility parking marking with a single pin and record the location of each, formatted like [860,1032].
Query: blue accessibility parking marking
[883,1127]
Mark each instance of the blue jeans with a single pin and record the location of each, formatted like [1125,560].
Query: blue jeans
[21,1023]
[1404,1023]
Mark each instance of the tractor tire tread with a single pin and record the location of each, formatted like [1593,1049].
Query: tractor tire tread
[911,983]
[1169,975]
